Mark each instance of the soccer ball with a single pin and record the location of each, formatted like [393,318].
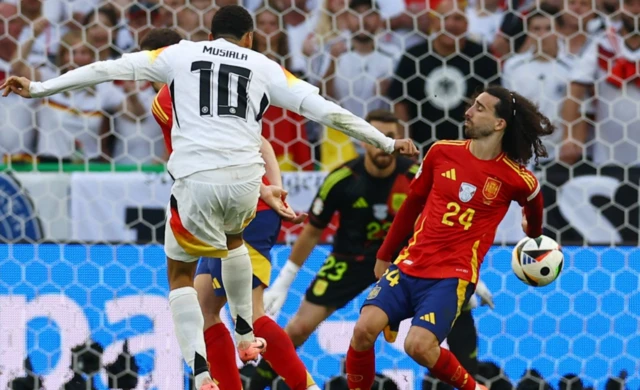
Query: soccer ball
[537,261]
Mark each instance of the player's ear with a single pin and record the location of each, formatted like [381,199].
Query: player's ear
[247,40]
[501,124]
[210,37]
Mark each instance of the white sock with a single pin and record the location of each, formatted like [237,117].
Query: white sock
[237,277]
[189,328]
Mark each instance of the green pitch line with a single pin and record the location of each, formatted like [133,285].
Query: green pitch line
[90,167]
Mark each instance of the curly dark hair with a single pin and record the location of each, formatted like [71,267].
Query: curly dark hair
[525,125]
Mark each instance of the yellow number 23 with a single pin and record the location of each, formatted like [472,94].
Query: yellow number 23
[465,219]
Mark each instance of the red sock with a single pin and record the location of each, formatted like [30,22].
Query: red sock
[281,354]
[449,370]
[361,368]
[221,355]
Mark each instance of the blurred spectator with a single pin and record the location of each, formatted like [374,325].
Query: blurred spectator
[137,139]
[284,129]
[17,131]
[72,125]
[45,35]
[610,63]
[485,18]
[408,19]
[512,36]
[66,13]
[298,25]
[269,39]
[141,17]
[541,74]
[579,23]
[358,78]
[329,40]
[434,80]
[100,32]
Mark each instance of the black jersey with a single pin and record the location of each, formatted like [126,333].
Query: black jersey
[366,205]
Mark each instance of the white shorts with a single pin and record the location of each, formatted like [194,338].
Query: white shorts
[206,206]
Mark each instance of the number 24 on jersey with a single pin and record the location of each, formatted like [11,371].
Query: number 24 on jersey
[464,218]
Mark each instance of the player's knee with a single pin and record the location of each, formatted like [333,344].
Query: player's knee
[299,330]
[364,336]
[424,350]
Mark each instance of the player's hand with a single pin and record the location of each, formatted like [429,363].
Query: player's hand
[381,267]
[276,295]
[274,197]
[525,224]
[273,300]
[17,85]
[486,298]
[405,147]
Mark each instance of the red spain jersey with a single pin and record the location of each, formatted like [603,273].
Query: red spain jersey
[466,199]
[163,114]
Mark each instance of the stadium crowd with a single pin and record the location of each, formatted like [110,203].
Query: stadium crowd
[577,59]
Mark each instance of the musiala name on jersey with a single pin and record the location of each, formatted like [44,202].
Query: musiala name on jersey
[224,53]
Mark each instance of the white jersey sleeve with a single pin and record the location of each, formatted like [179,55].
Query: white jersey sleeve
[145,65]
[288,92]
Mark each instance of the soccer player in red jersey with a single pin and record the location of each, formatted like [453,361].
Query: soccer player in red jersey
[459,196]
[259,236]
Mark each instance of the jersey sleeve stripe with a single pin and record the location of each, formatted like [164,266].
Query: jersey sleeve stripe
[153,54]
[157,108]
[405,252]
[333,179]
[453,143]
[528,179]
[158,115]
[414,169]
[534,193]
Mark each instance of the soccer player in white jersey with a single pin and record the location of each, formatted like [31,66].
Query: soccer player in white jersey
[220,90]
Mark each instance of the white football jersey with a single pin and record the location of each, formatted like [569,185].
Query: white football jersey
[220,92]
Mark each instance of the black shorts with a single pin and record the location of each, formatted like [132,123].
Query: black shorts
[340,281]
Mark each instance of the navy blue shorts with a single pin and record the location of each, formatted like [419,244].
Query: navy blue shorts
[259,237]
[434,304]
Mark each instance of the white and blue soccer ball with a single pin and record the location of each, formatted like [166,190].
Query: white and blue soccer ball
[537,261]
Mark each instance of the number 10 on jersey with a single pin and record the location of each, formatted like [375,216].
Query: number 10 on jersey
[225,94]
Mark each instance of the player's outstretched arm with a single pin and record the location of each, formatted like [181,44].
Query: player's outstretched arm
[320,110]
[143,65]
[288,92]
[405,219]
[532,216]
[276,295]
[402,226]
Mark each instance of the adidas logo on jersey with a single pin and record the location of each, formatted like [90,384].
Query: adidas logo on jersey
[450,174]
[361,203]
[430,317]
